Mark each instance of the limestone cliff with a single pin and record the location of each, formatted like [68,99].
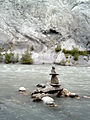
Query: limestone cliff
[44,24]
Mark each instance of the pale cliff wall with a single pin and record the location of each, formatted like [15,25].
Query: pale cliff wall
[44,23]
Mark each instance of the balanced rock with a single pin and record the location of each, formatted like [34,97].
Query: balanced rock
[54,78]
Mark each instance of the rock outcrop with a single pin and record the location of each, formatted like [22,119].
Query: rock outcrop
[44,24]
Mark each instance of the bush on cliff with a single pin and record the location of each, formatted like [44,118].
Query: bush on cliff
[58,48]
[75,53]
[32,48]
[26,58]
[1,58]
[9,58]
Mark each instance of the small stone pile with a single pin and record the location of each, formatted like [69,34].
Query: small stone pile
[54,88]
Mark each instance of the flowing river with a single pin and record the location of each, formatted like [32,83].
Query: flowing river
[16,106]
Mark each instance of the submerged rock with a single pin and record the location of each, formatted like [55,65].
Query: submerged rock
[73,95]
[65,93]
[22,89]
[86,97]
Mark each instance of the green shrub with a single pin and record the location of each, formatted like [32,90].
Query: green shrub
[84,53]
[10,47]
[9,58]
[17,58]
[1,58]
[32,48]
[75,53]
[58,48]
[72,52]
[76,57]
[26,58]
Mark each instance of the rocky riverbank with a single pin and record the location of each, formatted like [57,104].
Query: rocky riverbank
[55,56]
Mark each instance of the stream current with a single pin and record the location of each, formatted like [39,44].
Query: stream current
[16,106]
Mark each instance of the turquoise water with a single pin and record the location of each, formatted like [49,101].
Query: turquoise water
[15,106]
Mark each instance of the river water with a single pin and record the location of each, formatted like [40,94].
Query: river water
[16,106]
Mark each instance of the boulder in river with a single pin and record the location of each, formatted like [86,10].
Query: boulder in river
[22,89]
[38,97]
[66,93]
[49,101]
[86,97]
[63,93]
[73,95]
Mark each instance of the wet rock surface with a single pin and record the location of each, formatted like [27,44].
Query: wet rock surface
[38,95]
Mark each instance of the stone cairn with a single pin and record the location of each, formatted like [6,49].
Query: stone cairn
[54,88]
[54,78]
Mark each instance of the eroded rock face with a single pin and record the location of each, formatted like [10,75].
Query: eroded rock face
[44,23]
